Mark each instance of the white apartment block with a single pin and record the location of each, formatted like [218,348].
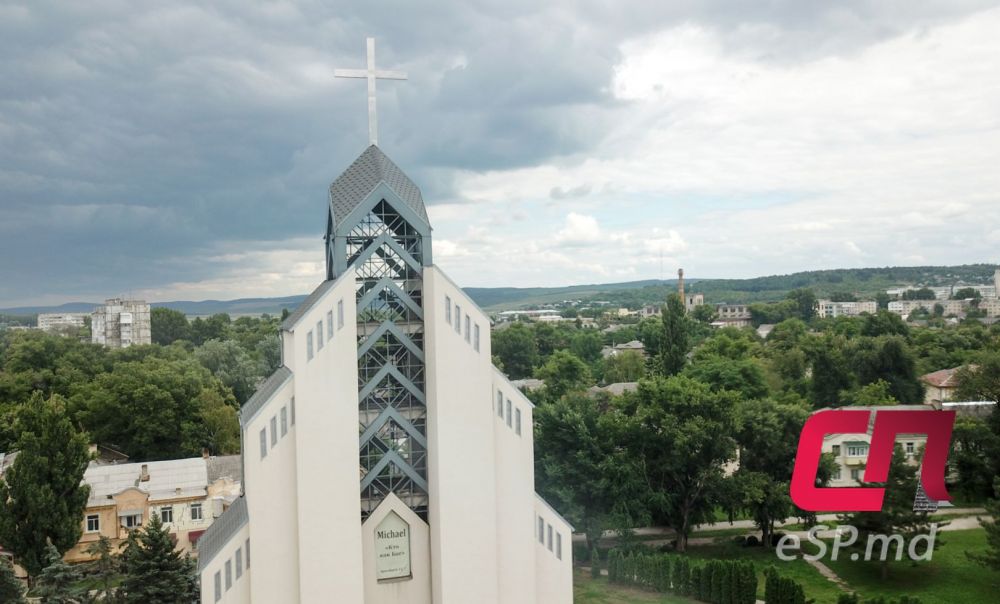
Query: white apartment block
[55,322]
[121,323]
[827,309]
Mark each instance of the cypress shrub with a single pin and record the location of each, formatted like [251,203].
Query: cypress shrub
[595,563]
[726,583]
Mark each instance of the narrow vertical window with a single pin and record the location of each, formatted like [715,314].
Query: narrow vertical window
[309,346]
[247,548]
[292,405]
[274,431]
[500,403]
[559,545]
[319,335]
[458,319]
[517,421]
[510,417]
[447,309]
[475,338]
[541,530]
[263,443]
[549,544]
[340,314]
[239,563]
[284,420]
[229,574]
[218,586]
[468,330]
[329,325]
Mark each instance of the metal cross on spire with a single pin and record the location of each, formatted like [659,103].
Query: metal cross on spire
[371,74]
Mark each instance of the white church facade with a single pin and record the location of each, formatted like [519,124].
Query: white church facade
[387,461]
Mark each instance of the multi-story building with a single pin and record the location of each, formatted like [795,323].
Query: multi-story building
[187,495]
[121,323]
[950,307]
[56,322]
[732,315]
[827,309]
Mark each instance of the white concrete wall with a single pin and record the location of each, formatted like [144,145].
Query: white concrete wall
[515,485]
[329,500]
[402,591]
[460,430]
[239,590]
[553,557]
[270,487]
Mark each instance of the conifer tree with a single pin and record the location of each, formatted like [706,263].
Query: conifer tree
[106,563]
[154,570]
[42,497]
[991,557]
[675,336]
[11,589]
[57,583]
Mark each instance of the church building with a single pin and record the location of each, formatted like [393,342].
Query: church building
[387,461]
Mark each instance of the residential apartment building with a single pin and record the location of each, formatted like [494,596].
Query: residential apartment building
[827,309]
[121,323]
[732,315]
[55,322]
[951,307]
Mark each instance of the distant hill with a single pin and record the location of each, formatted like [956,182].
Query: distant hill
[862,282]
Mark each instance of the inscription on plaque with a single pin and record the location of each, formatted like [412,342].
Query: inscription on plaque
[392,549]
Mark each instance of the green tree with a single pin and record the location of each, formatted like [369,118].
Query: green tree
[888,358]
[991,557]
[154,570]
[517,350]
[924,293]
[884,323]
[738,375]
[42,497]
[626,366]
[58,581]
[843,297]
[980,382]
[704,313]
[831,373]
[675,336]
[106,564]
[227,361]
[564,373]
[215,327]
[168,325]
[870,395]
[679,433]
[11,588]
[897,516]
[586,344]
[805,303]
[966,293]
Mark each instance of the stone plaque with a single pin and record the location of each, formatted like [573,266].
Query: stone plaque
[392,548]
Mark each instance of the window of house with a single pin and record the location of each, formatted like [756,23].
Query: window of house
[319,335]
[292,405]
[855,474]
[93,523]
[196,511]
[329,325]
[229,574]
[340,314]
[447,309]
[559,545]
[239,563]
[836,450]
[499,403]
[284,421]
[263,443]
[458,319]
[909,448]
[475,337]
[309,346]
[167,514]
[132,521]
[218,586]
[517,421]
[274,431]
[857,450]
[549,544]
[541,530]
[510,417]
[836,474]
[468,328]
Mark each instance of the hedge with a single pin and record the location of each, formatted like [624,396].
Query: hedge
[715,581]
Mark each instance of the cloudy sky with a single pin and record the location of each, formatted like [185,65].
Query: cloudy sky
[182,150]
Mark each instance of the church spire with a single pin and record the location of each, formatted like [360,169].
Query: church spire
[371,74]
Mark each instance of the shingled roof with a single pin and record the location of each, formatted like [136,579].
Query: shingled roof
[362,176]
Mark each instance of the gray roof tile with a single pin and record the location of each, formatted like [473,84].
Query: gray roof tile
[264,393]
[358,180]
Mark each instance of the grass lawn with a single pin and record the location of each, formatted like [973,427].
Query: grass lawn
[949,578]
[587,590]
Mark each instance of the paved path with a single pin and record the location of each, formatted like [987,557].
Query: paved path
[827,572]
[957,524]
